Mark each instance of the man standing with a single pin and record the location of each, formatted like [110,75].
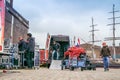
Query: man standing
[21,48]
[56,48]
[105,54]
[30,50]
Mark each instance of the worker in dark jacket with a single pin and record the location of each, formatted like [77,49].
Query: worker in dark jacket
[21,49]
[21,44]
[30,50]
[105,54]
[56,48]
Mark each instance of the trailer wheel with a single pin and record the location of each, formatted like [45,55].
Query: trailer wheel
[94,69]
[82,68]
[72,68]
[61,67]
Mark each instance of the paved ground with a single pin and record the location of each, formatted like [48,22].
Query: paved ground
[46,74]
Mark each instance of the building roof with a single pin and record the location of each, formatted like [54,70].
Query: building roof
[10,9]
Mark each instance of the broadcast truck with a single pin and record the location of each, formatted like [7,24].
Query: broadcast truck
[64,42]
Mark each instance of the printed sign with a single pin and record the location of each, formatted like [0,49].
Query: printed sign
[2,23]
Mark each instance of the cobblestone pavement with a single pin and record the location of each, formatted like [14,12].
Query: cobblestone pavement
[46,74]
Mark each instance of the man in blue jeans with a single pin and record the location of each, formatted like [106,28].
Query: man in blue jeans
[56,48]
[105,54]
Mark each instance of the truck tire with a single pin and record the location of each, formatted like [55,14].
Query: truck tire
[72,68]
[94,68]
[82,68]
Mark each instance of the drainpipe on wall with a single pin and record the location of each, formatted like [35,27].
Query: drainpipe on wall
[11,35]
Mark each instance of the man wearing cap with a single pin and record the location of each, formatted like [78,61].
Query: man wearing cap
[105,54]
[21,48]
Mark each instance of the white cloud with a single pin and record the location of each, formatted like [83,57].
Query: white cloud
[72,25]
[48,16]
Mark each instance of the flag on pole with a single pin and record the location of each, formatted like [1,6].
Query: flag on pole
[74,40]
[78,41]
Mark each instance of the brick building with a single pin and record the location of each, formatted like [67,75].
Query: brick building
[88,48]
[15,24]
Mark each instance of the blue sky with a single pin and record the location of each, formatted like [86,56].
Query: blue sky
[69,17]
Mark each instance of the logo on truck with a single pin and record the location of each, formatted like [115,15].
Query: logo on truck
[2,23]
